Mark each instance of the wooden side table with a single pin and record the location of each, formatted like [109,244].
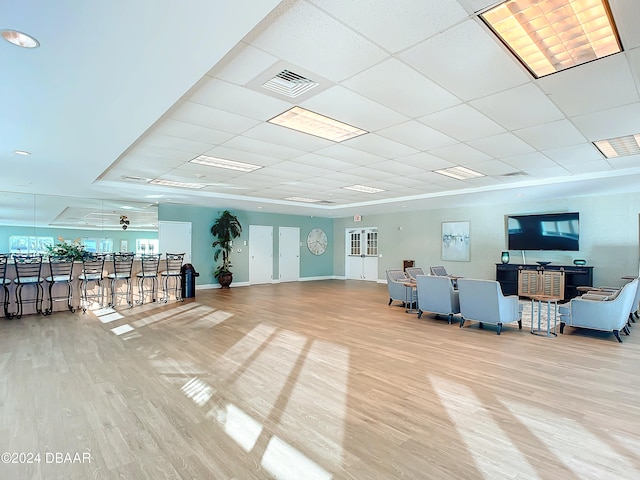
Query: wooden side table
[549,300]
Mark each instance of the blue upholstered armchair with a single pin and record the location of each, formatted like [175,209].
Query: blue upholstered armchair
[608,313]
[413,272]
[395,283]
[437,295]
[483,301]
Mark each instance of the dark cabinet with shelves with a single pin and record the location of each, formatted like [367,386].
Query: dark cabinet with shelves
[574,277]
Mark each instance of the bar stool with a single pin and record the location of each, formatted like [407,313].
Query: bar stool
[91,288]
[122,266]
[28,270]
[4,259]
[61,269]
[173,271]
[150,264]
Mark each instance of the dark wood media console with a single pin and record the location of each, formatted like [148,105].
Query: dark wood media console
[574,277]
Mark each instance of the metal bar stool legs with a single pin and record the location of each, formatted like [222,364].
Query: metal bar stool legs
[61,269]
[28,270]
[172,273]
[149,273]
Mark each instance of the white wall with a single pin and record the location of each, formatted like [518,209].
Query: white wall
[608,236]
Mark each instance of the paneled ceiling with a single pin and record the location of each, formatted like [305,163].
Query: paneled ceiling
[122,93]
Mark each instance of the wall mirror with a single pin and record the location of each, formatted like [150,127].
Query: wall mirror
[28,223]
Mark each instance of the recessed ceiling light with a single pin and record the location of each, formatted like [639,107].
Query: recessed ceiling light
[302,199]
[171,183]
[459,173]
[363,188]
[306,121]
[619,146]
[223,163]
[20,39]
[22,152]
[550,36]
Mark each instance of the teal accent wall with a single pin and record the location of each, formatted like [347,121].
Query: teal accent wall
[202,218]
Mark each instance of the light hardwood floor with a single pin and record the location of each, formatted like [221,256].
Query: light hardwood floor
[312,380]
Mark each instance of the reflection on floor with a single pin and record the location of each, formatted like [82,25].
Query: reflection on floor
[311,380]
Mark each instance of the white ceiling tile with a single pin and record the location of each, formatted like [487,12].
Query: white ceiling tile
[519,107]
[205,173]
[417,135]
[323,163]
[551,135]
[262,148]
[460,154]
[493,167]
[318,42]
[367,173]
[529,161]
[233,98]
[470,54]
[478,5]
[348,154]
[287,137]
[155,139]
[595,166]
[396,26]
[426,161]
[630,161]
[242,67]
[396,168]
[346,106]
[396,85]
[585,152]
[463,123]
[615,122]
[212,118]
[242,156]
[626,16]
[549,172]
[344,178]
[160,154]
[190,131]
[606,83]
[381,146]
[502,145]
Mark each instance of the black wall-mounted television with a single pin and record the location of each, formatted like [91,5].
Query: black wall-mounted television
[546,231]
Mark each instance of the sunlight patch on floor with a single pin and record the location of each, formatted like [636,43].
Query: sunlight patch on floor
[474,423]
[243,429]
[122,329]
[580,449]
[318,402]
[286,463]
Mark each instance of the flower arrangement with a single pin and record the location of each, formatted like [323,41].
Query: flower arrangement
[66,248]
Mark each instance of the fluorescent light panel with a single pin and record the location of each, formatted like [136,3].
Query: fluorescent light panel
[171,183]
[552,35]
[306,121]
[619,146]
[363,189]
[223,163]
[459,173]
[302,199]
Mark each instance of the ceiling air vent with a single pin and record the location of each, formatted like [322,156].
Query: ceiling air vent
[325,202]
[128,178]
[289,84]
[515,174]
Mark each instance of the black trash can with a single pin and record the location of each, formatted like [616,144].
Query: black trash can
[188,280]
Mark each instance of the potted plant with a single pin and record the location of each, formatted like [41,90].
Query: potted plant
[225,228]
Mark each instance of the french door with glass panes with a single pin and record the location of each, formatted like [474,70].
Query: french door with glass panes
[362,254]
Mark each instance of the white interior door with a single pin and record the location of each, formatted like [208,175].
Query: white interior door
[175,237]
[289,254]
[260,254]
[362,254]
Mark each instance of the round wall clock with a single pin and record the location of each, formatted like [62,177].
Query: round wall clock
[317,241]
